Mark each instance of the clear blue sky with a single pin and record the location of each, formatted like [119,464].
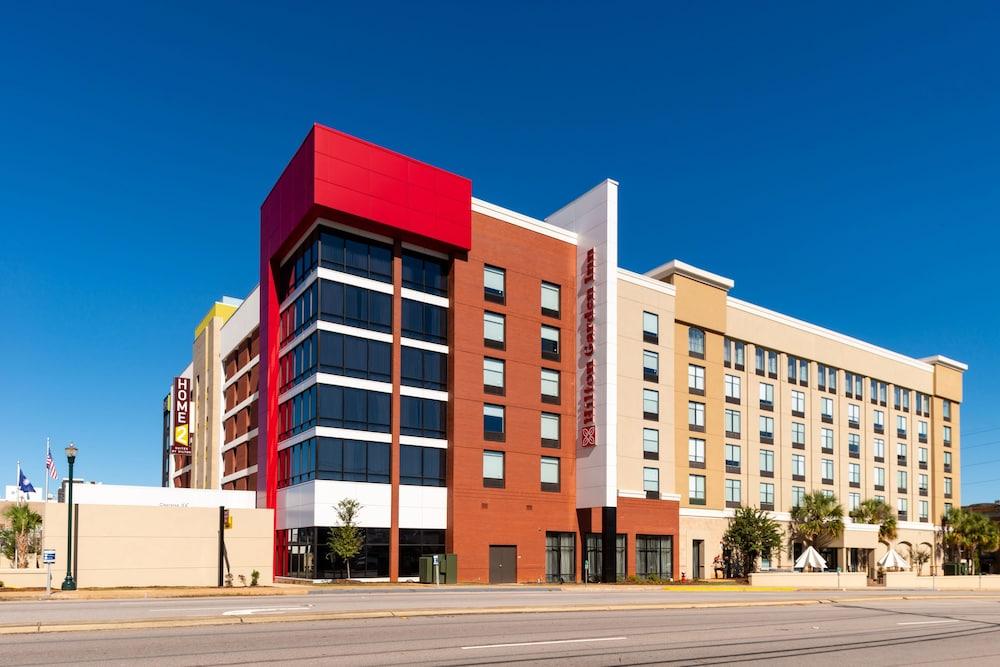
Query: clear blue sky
[840,163]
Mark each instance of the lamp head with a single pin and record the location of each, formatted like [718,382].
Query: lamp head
[71,451]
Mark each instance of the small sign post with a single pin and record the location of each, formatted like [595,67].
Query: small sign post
[437,570]
[48,557]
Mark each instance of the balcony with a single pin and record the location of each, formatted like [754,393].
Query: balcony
[855,485]
[697,428]
[798,445]
[900,489]
[696,464]
[855,453]
[923,491]
[735,400]
[826,450]
[879,459]
[922,438]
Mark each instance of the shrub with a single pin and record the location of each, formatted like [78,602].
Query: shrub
[254,578]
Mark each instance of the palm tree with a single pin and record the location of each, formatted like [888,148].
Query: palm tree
[980,535]
[23,521]
[877,512]
[817,519]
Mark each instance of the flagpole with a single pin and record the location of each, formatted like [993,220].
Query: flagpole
[47,472]
[16,559]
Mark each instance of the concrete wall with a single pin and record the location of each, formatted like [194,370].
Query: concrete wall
[910,580]
[120,545]
[818,580]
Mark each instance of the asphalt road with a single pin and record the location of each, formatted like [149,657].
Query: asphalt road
[873,632]
[25,612]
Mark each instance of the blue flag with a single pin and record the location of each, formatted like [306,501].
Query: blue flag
[25,484]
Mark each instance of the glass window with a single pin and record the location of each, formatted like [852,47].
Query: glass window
[732,455]
[492,465]
[854,473]
[650,402]
[798,433]
[734,491]
[759,360]
[550,298]
[772,363]
[550,473]
[650,364]
[654,556]
[827,469]
[901,479]
[853,501]
[422,417]
[425,274]
[493,419]
[494,282]
[878,417]
[947,434]
[766,393]
[550,427]
[650,441]
[696,377]
[767,493]
[798,464]
[766,460]
[493,327]
[947,486]
[740,354]
[355,306]
[560,557]
[947,457]
[422,466]
[493,373]
[650,327]
[346,407]
[798,494]
[879,448]
[348,460]
[550,383]
[696,450]
[425,321]
[922,481]
[879,477]
[696,414]
[696,342]
[798,401]
[733,387]
[696,487]
[423,368]
[766,427]
[946,409]
[924,509]
[550,342]
[826,438]
[854,444]
[651,480]
[854,413]
[733,421]
[826,407]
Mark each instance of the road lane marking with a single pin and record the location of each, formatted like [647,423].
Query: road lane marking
[263,610]
[553,641]
[929,622]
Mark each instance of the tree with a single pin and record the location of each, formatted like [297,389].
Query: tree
[918,557]
[818,519]
[22,522]
[980,536]
[877,512]
[347,539]
[752,534]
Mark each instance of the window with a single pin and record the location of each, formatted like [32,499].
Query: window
[422,417]
[901,426]
[651,443]
[493,375]
[560,557]
[879,448]
[696,489]
[798,495]
[853,501]
[734,492]
[798,403]
[550,473]
[766,394]
[759,360]
[550,429]
[901,453]
[298,363]
[853,415]
[854,473]
[355,255]
[414,543]
[821,377]
[906,400]
[947,435]
[854,445]
[799,465]
[766,427]
[550,385]
[425,321]
[922,481]
[353,460]
[651,404]
[831,379]
[550,299]
[346,407]
[651,481]
[798,369]
[650,327]
[879,478]
[767,462]
[883,392]
[696,451]
[733,350]
[425,274]
[422,466]
[826,408]
[733,388]
[493,421]
[878,419]
[902,506]
[946,409]
[733,421]
[654,556]
[732,456]
[297,268]
[550,343]
[827,471]
[423,368]
[355,306]
[696,378]
[354,357]
[772,363]
[947,487]
[798,433]
[740,355]
[650,366]
[924,510]
[493,469]
[493,329]
[494,281]
[922,457]
[766,495]
[696,414]
[947,461]
[901,480]
[826,439]
[696,342]
[922,431]
[947,507]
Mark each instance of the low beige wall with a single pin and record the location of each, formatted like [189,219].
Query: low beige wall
[124,545]
[819,580]
[27,578]
[905,580]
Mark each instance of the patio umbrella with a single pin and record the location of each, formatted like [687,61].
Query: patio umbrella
[892,560]
[810,558]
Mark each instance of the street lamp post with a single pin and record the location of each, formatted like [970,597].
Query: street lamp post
[69,584]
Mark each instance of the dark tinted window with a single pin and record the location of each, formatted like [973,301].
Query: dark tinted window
[424,321]
[346,407]
[423,368]
[355,306]
[354,357]
[421,466]
[355,255]
[426,274]
[422,417]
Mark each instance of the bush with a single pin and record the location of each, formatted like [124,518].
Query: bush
[254,577]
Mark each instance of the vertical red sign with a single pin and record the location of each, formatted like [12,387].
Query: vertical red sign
[588,430]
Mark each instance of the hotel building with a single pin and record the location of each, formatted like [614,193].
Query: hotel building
[496,386]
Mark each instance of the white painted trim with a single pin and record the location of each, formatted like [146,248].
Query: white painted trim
[297,292]
[424,345]
[181,471]
[437,443]
[915,525]
[726,514]
[676,266]
[240,372]
[646,281]
[623,493]
[236,442]
[290,345]
[419,392]
[825,333]
[357,332]
[331,432]
[239,406]
[356,281]
[424,297]
[424,251]
[337,381]
[239,474]
[521,220]
[945,361]
[670,496]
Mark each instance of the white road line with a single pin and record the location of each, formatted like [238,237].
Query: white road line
[262,610]
[929,622]
[554,641]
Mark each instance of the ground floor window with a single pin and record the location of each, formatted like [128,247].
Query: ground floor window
[560,557]
[414,543]
[654,556]
[594,552]
[372,561]
[300,552]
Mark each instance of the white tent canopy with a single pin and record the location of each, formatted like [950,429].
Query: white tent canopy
[810,558]
[892,560]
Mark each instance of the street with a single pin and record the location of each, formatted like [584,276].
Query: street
[883,632]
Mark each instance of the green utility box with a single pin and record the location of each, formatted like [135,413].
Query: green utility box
[953,569]
[447,567]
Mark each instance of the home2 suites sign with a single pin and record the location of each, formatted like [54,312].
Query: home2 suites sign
[588,429]
[182,411]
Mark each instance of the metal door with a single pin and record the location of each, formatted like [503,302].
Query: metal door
[503,564]
[697,546]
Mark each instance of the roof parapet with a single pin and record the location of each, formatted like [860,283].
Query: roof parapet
[945,361]
[677,267]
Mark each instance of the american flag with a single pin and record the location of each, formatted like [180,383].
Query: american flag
[50,465]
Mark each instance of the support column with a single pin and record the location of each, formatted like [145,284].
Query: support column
[609,545]
[394,406]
